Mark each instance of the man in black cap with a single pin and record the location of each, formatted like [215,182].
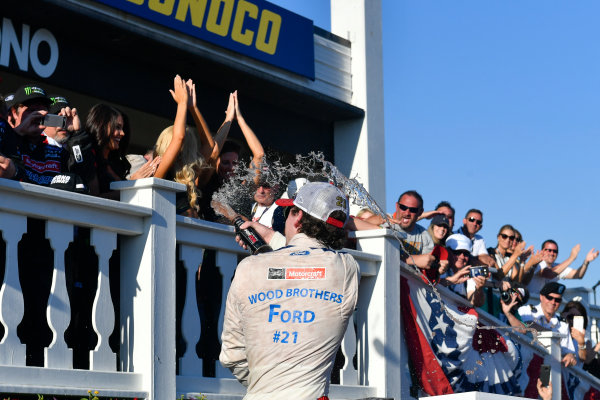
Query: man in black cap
[75,141]
[544,317]
[33,159]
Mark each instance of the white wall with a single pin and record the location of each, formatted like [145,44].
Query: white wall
[359,144]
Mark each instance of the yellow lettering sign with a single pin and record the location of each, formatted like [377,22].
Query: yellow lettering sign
[220,18]
[162,6]
[268,18]
[244,8]
[213,24]
[196,8]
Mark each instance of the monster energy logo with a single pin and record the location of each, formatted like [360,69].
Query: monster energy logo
[58,99]
[34,89]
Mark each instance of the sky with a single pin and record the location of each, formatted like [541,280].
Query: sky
[494,105]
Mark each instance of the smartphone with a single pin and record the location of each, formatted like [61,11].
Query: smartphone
[478,271]
[545,374]
[54,120]
[578,323]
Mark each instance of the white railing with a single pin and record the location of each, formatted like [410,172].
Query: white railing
[151,238]
[144,227]
[62,211]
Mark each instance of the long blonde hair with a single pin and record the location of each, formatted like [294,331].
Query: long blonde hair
[186,167]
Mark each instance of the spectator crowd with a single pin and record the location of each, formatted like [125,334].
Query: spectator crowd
[499,280]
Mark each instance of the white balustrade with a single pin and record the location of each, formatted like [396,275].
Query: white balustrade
[103,319]
[12,352]
[143,225]
[57,354]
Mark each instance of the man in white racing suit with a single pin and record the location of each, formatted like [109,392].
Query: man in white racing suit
[287,310]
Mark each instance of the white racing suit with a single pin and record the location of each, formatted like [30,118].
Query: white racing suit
[286,314]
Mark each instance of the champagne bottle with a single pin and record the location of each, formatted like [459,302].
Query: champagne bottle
[251,238]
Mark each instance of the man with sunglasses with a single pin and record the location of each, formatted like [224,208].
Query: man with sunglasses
[545,317]
[472,223]
[264,210]
[537,274]
[417,242]
[287,310]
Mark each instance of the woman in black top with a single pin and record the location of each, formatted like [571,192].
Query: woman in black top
[110,129]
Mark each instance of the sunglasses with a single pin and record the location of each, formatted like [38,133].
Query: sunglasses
[465,253]
[554,299]
[509,237]
[551,250]
[477,221]
[413,210]
[518,240]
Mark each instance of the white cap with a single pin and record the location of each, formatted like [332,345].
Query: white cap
[459,242]
[319,199]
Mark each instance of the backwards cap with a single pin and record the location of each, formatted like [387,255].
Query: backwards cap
[319,199]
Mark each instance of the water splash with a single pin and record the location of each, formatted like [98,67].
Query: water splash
[238,191]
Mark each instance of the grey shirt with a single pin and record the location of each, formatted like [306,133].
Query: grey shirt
[417,241]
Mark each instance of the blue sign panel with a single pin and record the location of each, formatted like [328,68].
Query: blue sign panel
[255,28]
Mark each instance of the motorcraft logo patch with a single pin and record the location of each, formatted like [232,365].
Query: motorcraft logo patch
[297,273]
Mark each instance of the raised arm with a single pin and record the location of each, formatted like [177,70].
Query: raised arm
[580,272]
[513,259]
[207,142]
[180,95]
[555,271]
[526,273]
[253,143]
[223,131]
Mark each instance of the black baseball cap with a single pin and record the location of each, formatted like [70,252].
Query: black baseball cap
[57,102]
[9,100]
[28,93]
[440,219]
[552,287]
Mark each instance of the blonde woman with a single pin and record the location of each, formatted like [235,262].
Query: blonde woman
[181,159]
[439,229]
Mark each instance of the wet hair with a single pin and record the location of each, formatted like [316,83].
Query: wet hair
[474,210]
[445,203]
[188,163]
[412,193]
[577,306]
[507,226]
[549,241]
[331,236]
[231,147]
[102,121]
